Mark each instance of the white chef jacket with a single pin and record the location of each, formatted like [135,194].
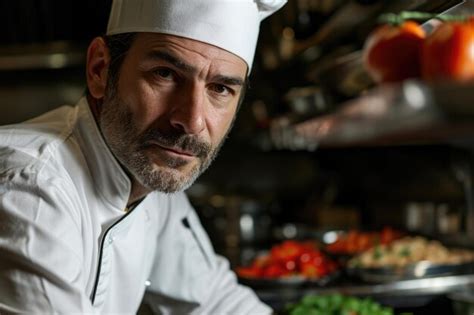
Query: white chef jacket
[68,247]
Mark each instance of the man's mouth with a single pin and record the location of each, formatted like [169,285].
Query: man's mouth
[176,151]
[171,156]
[176,146]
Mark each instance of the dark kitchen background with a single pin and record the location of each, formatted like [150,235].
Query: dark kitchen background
[411,171]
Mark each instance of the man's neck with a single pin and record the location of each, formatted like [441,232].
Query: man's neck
[137,191]
[95,107]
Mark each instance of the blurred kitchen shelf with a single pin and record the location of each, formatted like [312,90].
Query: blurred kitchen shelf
[412,112]
[49,55]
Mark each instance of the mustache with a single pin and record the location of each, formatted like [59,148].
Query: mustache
[179,140]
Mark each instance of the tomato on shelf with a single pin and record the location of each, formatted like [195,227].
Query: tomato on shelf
[249,272]
[288,250]
[388,235]
[358,241]
[274,271]
[290,258]
[448,52]
[392,53]
[399,49]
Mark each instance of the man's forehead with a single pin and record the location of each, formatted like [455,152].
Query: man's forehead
[186,52]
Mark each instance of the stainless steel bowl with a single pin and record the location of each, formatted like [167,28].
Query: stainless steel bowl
[423,269]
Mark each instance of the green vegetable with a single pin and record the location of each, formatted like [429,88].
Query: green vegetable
[337,304]
[378,253]
[404,252]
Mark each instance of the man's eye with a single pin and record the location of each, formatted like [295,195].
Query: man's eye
[221,89]
[164,73]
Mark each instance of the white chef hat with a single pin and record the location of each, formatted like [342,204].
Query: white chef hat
[232,25]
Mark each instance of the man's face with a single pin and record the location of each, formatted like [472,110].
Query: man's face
[171,108]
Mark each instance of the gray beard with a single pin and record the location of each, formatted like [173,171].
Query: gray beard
[128,146]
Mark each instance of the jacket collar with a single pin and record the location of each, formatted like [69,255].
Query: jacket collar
[110,179]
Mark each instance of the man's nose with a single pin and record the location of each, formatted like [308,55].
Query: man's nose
[189,111]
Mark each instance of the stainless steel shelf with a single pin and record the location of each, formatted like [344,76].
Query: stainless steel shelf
[406,113]
[405,293]
[435,285]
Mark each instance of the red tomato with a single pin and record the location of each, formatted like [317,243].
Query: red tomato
[288,258]
[339,246]
[309,270]
[261,261]
[313,270]
[448,52]
[387,235]
[364,242]
[248,272]
[314,258]
[392,53]
[274,271]
[288,250]
[290,265]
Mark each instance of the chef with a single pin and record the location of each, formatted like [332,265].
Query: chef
[92,209]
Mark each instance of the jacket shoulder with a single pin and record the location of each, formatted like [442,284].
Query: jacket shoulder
[31,144]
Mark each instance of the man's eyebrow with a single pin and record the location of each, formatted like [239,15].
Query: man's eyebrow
[228,80]
[175,61]
[180,64]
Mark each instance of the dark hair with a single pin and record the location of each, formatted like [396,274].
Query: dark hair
[118,47]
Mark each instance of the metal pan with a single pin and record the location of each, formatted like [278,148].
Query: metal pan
[290,281]
[423,269]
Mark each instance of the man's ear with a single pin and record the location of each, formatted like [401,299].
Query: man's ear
[98,61]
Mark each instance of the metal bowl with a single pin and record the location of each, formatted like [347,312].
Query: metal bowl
[423,269]
[290,281]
